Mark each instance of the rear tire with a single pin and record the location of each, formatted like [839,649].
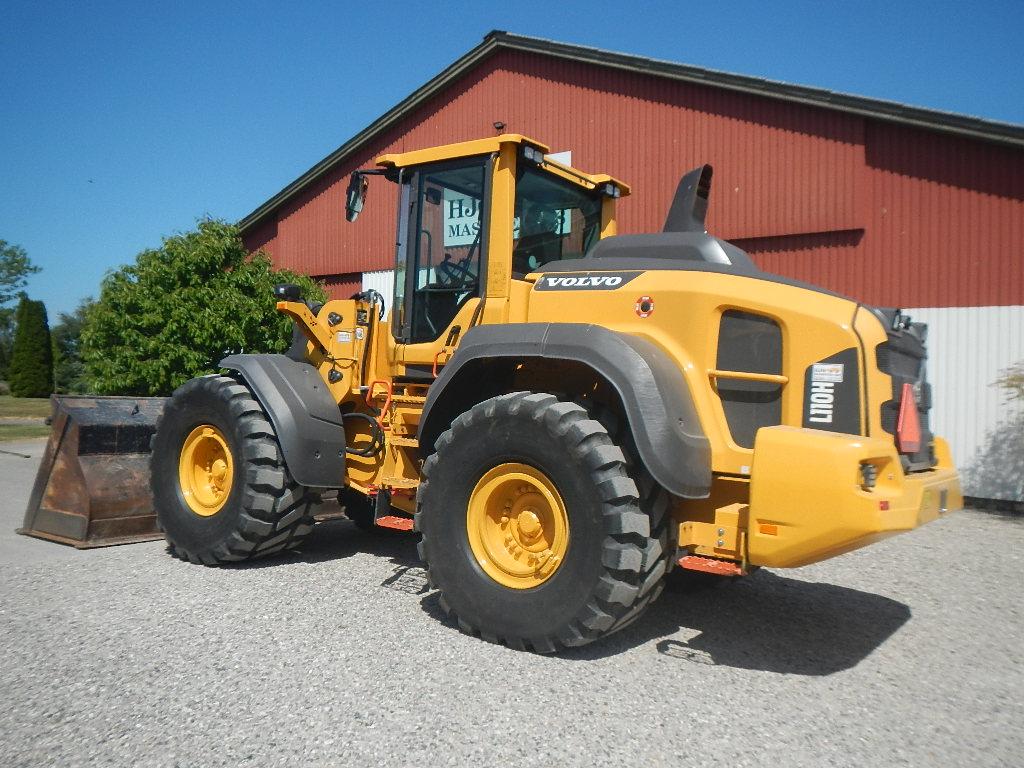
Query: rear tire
[612,566]
[263,510]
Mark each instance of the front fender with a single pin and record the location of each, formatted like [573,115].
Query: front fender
[305,416]
[659,409]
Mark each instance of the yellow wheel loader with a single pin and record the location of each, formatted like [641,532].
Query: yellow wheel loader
[564,414]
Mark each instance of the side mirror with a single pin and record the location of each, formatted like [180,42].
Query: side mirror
[287,292]
[355,196]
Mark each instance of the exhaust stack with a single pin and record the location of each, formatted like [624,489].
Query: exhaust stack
[690,205]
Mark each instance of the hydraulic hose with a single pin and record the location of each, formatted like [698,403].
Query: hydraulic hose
[377,435]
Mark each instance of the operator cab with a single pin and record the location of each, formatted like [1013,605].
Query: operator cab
[458,248]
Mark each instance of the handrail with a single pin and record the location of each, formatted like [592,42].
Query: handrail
[771,378]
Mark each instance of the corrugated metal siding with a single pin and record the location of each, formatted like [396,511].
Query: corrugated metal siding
[263,236]
[780,168]
[946,222]
[341,286]
[382,281]
[967,348]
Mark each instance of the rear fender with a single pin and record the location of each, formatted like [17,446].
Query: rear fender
[659,409]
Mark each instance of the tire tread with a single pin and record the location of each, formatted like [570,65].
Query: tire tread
[634,549]
[275,510]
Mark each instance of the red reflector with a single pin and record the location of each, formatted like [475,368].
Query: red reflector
[884,506]
[908,426]
[710,565]
[395,522]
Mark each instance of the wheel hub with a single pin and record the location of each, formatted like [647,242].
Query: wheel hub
[517,526]
[205,470]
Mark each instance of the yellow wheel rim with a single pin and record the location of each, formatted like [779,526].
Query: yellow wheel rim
[517,525]
[205,470]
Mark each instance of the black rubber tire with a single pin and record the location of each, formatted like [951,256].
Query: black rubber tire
[614,566]
[266,511]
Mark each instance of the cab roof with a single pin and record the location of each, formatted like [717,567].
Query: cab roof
[494,144]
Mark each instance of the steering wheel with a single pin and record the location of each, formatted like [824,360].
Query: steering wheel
[455,272]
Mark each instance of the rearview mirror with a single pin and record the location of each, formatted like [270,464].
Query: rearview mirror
[355,196]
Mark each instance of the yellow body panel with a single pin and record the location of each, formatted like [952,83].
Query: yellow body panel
[807,503]
[688,307]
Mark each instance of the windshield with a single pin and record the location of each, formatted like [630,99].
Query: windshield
[555,219]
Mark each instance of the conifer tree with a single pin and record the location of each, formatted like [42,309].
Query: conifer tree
[31,369]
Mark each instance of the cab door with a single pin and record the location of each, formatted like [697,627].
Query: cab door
[441,258]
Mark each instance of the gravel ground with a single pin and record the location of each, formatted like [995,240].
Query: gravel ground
[905,653]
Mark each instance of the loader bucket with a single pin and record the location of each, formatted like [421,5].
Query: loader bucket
[92,488]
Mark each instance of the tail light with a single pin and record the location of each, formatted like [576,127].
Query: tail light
[908,424]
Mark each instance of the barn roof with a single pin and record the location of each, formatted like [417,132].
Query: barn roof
[876,109]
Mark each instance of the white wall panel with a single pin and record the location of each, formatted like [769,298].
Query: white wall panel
[382,281]
[968,347]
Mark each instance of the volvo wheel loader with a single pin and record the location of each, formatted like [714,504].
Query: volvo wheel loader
[564,414]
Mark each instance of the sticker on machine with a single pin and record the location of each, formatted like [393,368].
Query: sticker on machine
[832,372]
[584,281]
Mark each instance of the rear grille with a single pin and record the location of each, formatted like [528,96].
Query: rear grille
[903,357]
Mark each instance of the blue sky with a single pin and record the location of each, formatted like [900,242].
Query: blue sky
[124,122]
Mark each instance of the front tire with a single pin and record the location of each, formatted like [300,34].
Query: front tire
[516,482]
[220,486]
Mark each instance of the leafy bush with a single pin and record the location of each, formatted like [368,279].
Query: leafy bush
[182,307]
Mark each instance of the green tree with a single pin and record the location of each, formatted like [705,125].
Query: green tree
[31,369]
[15,267]
[68,368]
[180,308]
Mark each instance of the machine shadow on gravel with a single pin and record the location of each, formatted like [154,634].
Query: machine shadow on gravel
[767,622]
[339,539]
[764,622]
[761,622]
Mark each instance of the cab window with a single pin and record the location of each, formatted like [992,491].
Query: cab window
[555,219]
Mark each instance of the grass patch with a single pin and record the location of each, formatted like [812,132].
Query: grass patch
[22,431]
[24,407]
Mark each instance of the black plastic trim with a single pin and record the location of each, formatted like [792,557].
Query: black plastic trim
[648,264]
[657,401]
[305,416]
